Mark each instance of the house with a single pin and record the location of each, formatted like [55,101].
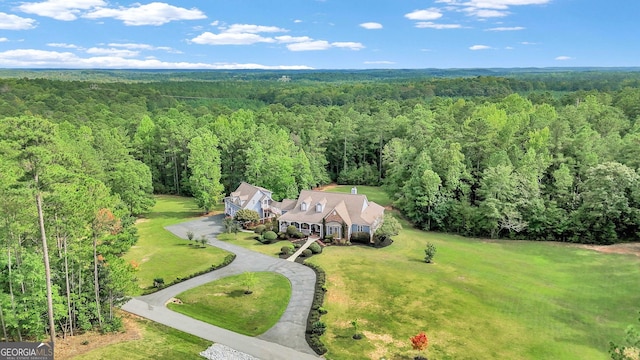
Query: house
[250,197]
[319,213]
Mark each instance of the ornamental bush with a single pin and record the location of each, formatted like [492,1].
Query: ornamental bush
[269,236]
[287,249]
[361,237]
[315,248]
[429,253]
[307,253]
[259,229]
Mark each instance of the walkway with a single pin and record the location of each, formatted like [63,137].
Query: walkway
[304,246]
[285,340]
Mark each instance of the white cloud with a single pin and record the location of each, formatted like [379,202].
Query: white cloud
[63,45]
[132,46]
[309,45]
[65,10]
[484,13]
[528,43]
[514,28]
[31,58]
[154,13]
[112,52]
[424,15]
[380,62]
[252,29]
[286,39]
[225,38]
[503,4]
[371,25]
[14,22]
[432,25]
[563,58]
[348,45]
[297,21]
[3,39]
[215,23]
[479,47]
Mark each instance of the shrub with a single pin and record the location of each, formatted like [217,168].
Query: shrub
[298,235]
[307,253]
[313,339]
[190,235]
[282,235]
[315,248]
[291,230]
[287,249]
[328,238]
[361,237]
[158,283]
[429,253]
[318,327]
[269,236]
[259,229]
[246,216]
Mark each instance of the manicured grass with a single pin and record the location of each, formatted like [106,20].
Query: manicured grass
[223,303]
[479,300]
[374,193]
[247,240]
[156,342]
[159,253]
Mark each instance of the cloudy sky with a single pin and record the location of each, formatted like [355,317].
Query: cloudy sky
[318,34]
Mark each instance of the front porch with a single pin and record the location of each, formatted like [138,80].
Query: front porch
[314,229]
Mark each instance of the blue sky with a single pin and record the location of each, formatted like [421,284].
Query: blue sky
[318,34]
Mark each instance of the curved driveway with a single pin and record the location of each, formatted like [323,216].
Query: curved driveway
[285,340]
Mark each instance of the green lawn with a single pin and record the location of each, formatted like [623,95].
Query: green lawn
[374,193]
[159,253]
[247,240]
[480,299]
[223,303]
[156,342]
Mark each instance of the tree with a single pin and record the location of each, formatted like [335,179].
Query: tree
[246,216]
[34,138]
[429,253]
[420,343]
[204,162]
[389,227]
[249,281]
[630,350]
[356,329]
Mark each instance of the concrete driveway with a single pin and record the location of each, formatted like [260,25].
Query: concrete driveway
[285,340]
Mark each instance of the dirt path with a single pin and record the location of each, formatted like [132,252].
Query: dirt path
[626,248]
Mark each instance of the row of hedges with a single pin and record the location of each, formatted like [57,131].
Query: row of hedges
[227,260]
[315,327]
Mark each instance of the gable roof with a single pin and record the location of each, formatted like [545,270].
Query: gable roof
[352,208]
[246,191]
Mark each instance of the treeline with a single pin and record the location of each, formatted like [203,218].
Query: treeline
[68,194]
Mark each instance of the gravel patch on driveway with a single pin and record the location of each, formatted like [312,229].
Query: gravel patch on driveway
[222,352]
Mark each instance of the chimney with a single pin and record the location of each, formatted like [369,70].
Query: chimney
[354,190]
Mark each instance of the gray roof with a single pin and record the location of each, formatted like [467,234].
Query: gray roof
[246,191]
[353,208]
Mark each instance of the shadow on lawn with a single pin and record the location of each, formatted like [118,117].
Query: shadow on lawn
[236,293]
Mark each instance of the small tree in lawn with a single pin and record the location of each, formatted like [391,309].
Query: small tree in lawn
[190,235]
[429,253]
[356,327]
[203,240]
[248,280]
[420,343]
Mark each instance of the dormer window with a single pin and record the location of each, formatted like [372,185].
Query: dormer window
[303,206]
[318,207]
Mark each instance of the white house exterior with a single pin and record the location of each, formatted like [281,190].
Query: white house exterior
[249,197]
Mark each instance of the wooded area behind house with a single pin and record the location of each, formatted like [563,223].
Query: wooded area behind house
[509,154]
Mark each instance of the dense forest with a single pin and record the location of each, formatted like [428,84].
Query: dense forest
[534,155]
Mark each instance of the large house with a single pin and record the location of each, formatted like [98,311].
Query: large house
[320,213]
[249,197]
[314,213]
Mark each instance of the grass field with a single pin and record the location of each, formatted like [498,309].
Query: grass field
[159,253]
[479,300]
[155,341]
[247,240]
[223,302]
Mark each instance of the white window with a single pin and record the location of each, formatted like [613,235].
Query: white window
[303,206]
